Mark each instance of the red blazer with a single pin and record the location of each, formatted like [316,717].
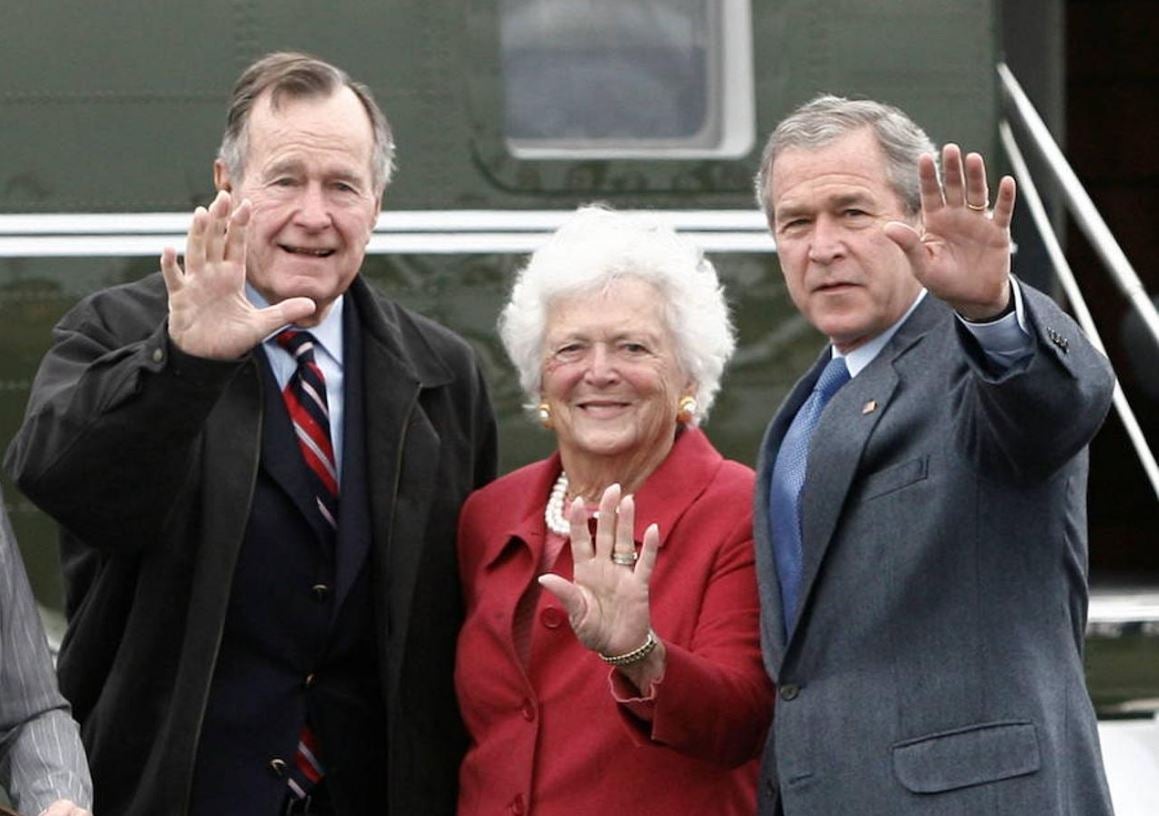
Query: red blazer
[554,738]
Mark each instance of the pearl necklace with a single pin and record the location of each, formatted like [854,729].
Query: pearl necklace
[553,513]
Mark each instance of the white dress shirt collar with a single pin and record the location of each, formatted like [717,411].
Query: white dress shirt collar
[866,353]
[327,334]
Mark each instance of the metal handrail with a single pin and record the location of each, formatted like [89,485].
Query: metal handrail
[40,235]
[1077,200]
[1096,230]
[1029,194]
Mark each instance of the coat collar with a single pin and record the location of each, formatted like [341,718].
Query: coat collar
[666,494]
[384,325]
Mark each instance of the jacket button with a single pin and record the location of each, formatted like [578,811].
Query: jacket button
[321,592]
[278,766]
[309,681]
[551,617]
[517,807]
[528,710]
[789,691]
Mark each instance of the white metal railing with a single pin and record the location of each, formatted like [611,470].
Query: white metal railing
[396,231]
[1096,230]
[1085,213]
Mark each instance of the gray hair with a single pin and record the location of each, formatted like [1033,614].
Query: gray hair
[298,76]
[598,246]
[827,118]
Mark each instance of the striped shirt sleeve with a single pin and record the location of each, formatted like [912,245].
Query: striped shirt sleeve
[41,756]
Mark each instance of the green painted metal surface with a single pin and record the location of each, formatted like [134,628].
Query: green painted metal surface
[119,108]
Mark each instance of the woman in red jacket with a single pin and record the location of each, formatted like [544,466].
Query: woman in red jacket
[653,700]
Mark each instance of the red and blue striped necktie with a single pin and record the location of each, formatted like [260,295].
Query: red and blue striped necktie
[305,396]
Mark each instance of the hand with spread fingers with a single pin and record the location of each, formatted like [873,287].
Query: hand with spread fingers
[607,603]
[209,315]
[963,253]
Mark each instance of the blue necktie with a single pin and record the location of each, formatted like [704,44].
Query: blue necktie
[785,487]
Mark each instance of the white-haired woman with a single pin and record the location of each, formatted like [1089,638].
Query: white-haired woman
[653,700]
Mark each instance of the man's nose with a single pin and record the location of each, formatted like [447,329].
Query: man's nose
[313,210]
[827,241]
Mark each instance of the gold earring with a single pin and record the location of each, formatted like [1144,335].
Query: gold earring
[686,410]
[544,414]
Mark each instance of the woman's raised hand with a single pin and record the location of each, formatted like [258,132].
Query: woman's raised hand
[607,600]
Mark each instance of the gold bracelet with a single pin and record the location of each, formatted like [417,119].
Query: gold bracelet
[634,656]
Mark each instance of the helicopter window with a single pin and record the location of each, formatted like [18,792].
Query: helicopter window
[609,78]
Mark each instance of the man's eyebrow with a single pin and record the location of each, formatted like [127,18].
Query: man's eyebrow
[789,210]
[293,165]
[846,199]
[834,201]
[283,166]
[347,174]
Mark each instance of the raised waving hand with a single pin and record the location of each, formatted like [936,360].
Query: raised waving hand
[209,315]
[963,253]
[607,601]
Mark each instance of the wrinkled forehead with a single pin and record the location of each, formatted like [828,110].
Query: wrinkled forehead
[334,124]
[857,152]
[852,167]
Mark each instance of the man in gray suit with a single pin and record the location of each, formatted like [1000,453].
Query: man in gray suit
[42,761]
[920,519]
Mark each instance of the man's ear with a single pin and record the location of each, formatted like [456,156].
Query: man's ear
[221,180]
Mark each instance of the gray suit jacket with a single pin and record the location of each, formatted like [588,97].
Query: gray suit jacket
[41,757]
[936,666]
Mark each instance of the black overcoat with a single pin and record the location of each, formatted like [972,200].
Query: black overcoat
[147,458]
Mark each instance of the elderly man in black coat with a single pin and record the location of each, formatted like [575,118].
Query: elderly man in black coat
[257,463]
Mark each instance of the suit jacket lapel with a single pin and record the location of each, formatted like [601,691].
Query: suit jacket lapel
[353,519]
[839,440]
[772,616]
[834,455]
[283,462]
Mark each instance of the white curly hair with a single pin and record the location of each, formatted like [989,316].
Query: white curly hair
[593,249]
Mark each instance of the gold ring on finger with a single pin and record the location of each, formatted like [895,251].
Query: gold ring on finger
[977,207]
[624,559]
